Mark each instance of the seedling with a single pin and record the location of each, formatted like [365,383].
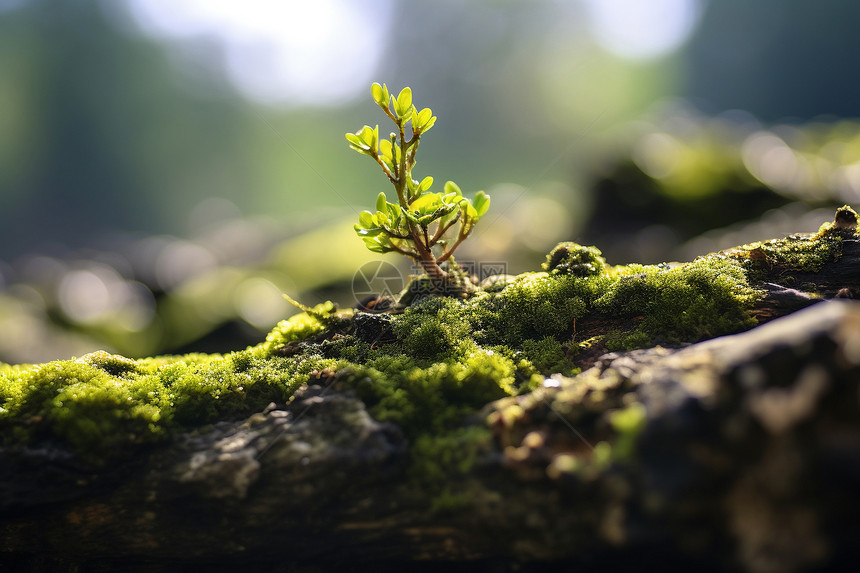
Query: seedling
[420,222]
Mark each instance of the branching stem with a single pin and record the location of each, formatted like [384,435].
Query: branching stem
[418,221]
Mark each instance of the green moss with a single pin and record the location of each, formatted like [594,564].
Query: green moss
[534,306]
[446,459]
[432,328]
[431,397]
[703,299]
[548,356]
[448,358]
[778,260]
[574,259]
[621,340]
[100,403]
[299,327]
[443,359]
[844,224]
[708,297]
[111,363]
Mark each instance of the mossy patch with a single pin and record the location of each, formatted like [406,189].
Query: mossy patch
[574,259]
[436,458]
[777,259]
[797,253]
[300,327]
[703,299]
[443,358]
[101,403]
[436,396]
[428,369]
[532,307]
[433,328]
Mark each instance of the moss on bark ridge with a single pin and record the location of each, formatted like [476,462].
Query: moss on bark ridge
[440,359]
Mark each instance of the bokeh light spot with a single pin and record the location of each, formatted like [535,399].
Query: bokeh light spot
[657,155]
[301,53]
[636,30]
[181,261]
[84,296]
[260,303]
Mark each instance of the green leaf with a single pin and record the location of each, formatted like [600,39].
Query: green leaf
[374,143]
[425,184]
[451,187]
[469,210]
[481,203]
[362,232]
[423,117]
[364,140]
[451,199]
[381,202]
[366,220]
[367,135]
[385,148]
[380,95]
[373,245]
[404,102]
[426,203]
[430,123]
[394,213]
[376,91]
[409,215]
[356,144]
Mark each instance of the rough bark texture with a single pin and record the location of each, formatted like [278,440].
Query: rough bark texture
[748,458]
[787,292]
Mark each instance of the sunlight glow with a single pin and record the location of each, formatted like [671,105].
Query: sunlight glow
[281,51]
[639,29]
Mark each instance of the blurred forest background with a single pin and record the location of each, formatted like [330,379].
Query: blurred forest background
[169,167]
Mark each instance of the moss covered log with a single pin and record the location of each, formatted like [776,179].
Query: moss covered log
[420,377]
[437,359]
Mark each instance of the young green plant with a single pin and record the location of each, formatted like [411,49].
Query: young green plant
[421,223]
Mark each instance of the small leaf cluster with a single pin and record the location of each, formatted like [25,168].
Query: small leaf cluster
[419,219]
